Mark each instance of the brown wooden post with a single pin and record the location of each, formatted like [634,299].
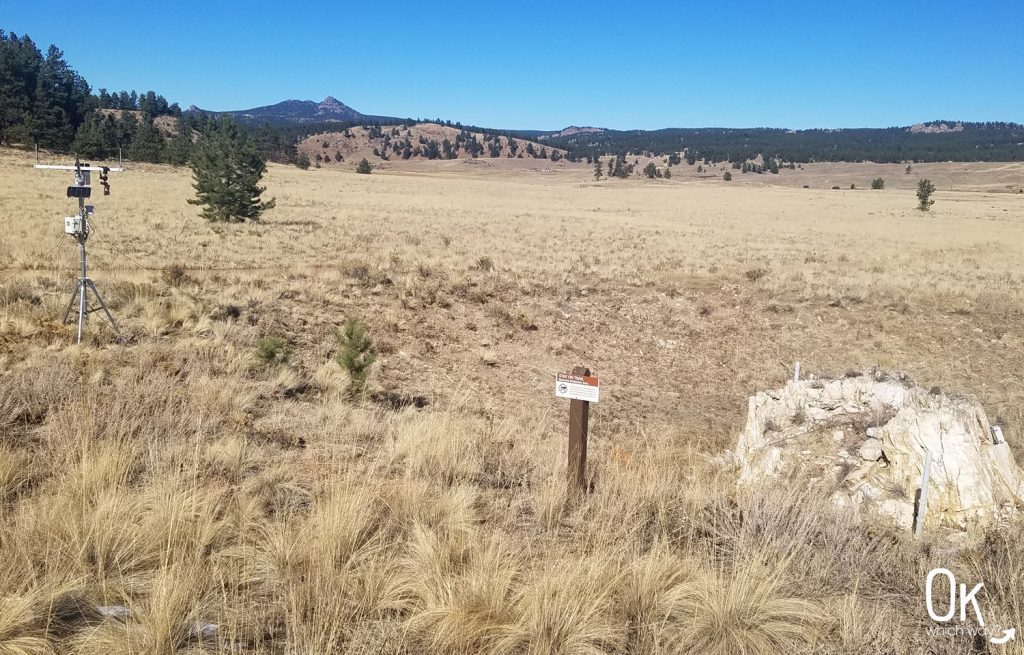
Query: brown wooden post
[579,418]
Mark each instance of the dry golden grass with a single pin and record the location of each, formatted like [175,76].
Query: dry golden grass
[182,478]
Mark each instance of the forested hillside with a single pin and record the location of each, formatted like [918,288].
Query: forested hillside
[45,102]
[937,141]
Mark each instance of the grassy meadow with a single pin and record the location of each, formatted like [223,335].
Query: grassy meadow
[212,496]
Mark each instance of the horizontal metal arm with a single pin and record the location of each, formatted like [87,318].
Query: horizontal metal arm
[50,167]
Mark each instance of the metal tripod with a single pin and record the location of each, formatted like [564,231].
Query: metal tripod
[85,283]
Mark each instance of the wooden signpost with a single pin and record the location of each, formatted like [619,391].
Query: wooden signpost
[581,389]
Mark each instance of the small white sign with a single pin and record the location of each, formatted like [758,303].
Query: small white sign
[577,387]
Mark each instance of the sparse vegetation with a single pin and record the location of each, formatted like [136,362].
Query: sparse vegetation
[190,489]
[755,274]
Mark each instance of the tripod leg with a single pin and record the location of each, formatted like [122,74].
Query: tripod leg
[106,311]
[71,303]
[83,307]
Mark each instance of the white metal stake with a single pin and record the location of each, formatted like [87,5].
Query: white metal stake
[796,372]
[922,501]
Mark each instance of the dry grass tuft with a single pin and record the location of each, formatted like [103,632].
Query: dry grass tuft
[746,610]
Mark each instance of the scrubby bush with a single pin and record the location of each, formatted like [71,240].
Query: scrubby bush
[271,350]
[878,183]
[364,167]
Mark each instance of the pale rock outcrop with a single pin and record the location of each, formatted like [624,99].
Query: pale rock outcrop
[864,439]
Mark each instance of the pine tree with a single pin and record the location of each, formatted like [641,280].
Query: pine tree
[89,142]
[60,106]
[925,189]
[20,60]
[355,354]
[148,144]
[227,169]
[179,148]
[364,167]
[597,169]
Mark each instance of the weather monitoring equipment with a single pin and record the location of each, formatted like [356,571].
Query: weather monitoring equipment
[78,227]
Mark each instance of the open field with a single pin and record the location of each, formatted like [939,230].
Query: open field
[182,477]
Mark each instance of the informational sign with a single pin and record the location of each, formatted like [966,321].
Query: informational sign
[577,387]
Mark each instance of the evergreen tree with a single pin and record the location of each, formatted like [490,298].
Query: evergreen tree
[597,169]
[925,189]
[227,169]
[148,144]
[125,130]
[364,167]
[179,148]
[355,354]
[20,61]
[302,161]
[60,102]
[89,140]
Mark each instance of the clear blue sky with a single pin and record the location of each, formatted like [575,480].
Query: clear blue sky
[545,65]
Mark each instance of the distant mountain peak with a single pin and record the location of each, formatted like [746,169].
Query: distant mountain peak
[332,108]
[299,111]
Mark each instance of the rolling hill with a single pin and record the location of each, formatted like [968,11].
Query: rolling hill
[419,141]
